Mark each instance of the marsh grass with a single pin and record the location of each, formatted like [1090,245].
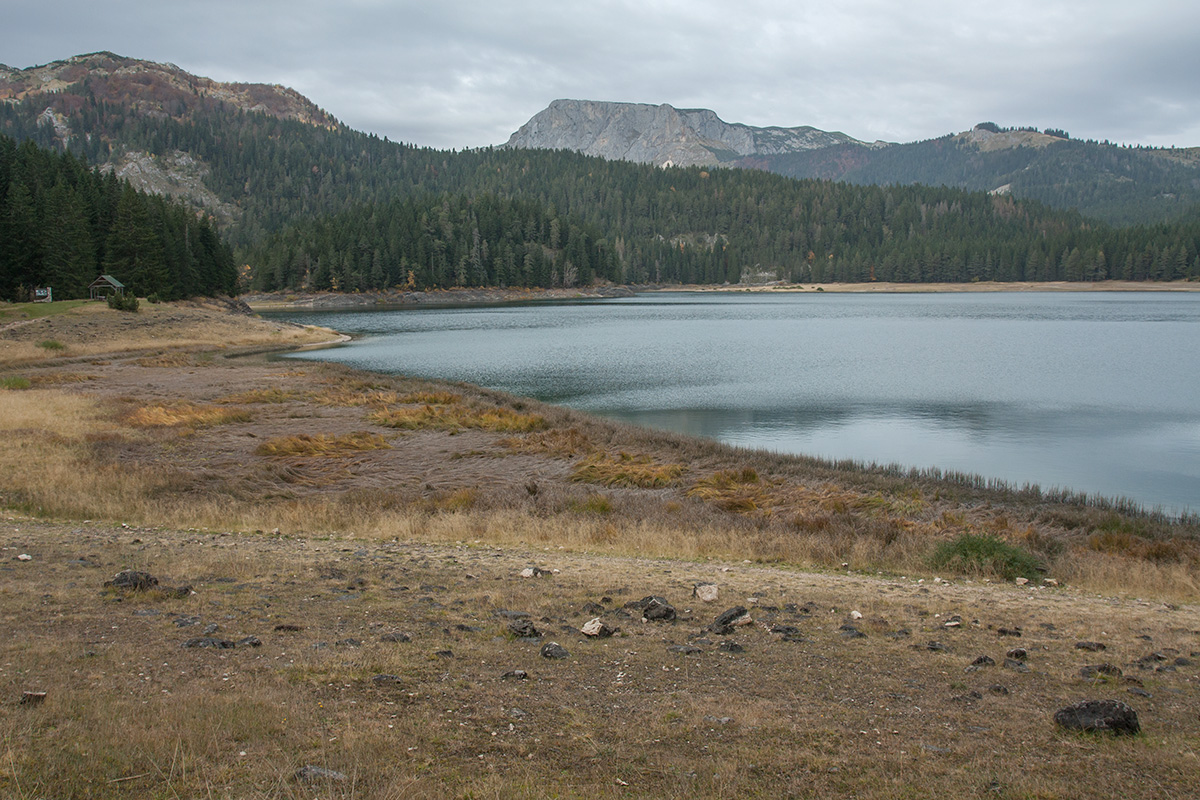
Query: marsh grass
[984,555]
[457,417]
[52,345]
[16,382]
[322,445]
[634,471]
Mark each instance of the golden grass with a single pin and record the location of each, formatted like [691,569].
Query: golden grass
[176,359]
[448,418]
[187,415]
[305,446]
[559,442]
[270,395]
[635,471]
[49,411]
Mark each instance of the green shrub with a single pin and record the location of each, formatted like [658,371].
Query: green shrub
[153,299]
[123,302]
[51,344]
[984,555]
[15,382]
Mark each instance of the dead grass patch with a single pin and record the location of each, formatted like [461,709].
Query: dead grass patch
[457,417]
[269,395]
[188,415]
[324,445]
[633,471]
[563,443]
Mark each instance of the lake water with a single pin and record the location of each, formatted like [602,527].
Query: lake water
[1095,392]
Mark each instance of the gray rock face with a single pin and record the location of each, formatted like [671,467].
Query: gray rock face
[662,134]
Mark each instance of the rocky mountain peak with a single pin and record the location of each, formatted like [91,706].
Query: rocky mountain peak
[151,87]
[661,134]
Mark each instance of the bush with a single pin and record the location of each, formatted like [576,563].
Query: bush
[153,299]
[51,344]
[123,302]
[15,382]
[985,555]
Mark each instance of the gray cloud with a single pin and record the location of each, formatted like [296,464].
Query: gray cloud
[468,73]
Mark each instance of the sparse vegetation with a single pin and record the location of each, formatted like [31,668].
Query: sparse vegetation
[187,415]
[641,472]
[52,345]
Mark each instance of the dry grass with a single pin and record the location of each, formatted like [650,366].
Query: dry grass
[634,471]
[322,445]
[187,415]
[457,417]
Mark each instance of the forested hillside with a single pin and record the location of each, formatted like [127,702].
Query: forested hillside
[329,193]
[62,224]
[1120,185]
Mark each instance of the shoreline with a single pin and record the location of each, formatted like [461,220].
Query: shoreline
[291,301]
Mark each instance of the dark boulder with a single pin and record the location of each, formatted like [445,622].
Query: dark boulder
[1099,716]
[725,624]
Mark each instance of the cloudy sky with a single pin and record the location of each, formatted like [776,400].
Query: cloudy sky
[465,73]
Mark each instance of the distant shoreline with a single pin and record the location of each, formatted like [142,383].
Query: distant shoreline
[934,288]
[286,301]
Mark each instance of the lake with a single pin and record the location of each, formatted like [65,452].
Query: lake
[1095,392]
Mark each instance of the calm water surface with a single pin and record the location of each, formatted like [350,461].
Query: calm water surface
[1095,392]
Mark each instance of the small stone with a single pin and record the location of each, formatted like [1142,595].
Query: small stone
[984,661]
[1018,653]
[1096,716]
[998,688]
[731,647]
[309,774]
[1049,582]
[1015,665]
[705,592]
[851,632]
[33,698]
[1098,671]
[132,580]
[24,557]
[730,619]
[515,675]
[349,642]
[596,628]
[715,720]
[211,628]
[444,654]
[657,609]
[1140,692]
[1010,632]
[395,636]
[249,641]
[1091,647]
[1021,581]
[684,649]
[386,680]
[287,628]
[554,650]
[209,642]
[534,572]
[856,615]
[524,629]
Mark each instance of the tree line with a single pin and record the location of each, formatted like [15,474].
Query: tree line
[327,190]
[63,223]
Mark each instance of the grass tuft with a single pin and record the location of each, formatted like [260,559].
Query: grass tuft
[448,418]
[187,415]
[53,345]
[640,472]
[306,446]
[986,555]
[15,382]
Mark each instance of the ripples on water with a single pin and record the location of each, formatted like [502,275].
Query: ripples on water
[1095,392]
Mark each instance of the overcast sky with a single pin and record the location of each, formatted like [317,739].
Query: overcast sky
[469,73]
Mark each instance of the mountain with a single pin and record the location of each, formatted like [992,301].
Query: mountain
[662,135]
[307,202]
[77,96]
[1121,185]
